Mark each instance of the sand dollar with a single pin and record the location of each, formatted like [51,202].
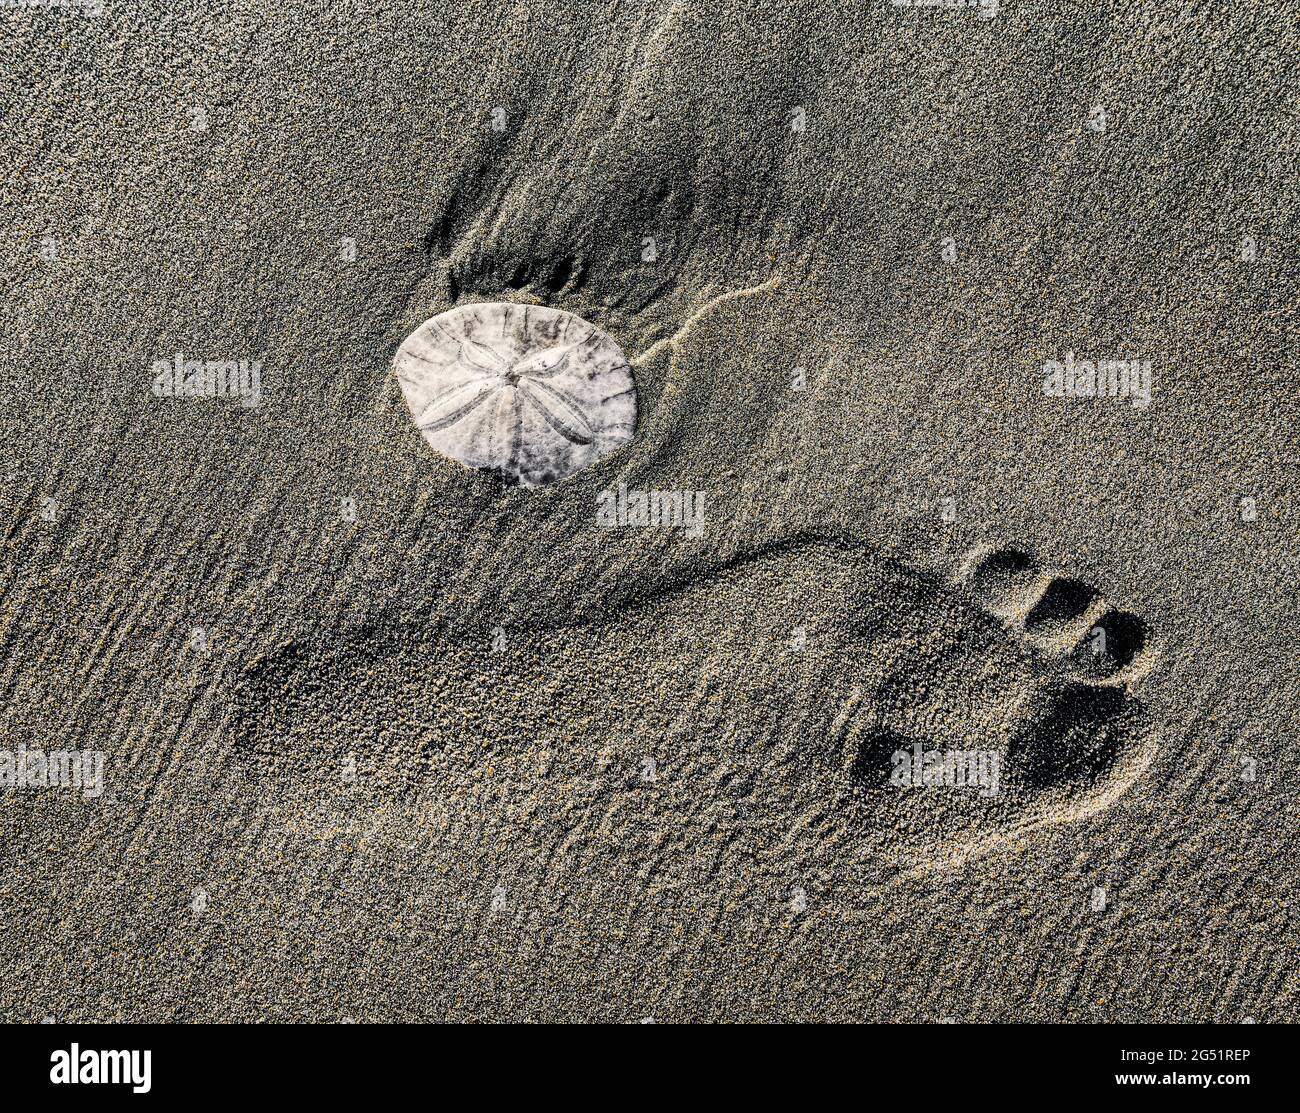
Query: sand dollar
[526,391]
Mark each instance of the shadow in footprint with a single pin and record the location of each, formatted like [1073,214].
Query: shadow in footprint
[873,761]
[1115,641]
[1075,740]
[1003,580]
[1000,568]
[1062,602]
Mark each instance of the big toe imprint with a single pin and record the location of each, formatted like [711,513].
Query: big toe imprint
[1032,722]
[1059,617]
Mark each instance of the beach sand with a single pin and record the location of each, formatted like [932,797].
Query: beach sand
[384,739]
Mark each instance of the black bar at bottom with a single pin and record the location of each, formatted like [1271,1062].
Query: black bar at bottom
[92,1062]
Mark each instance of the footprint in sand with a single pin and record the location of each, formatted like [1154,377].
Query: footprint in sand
[1044,731]
[1060,617]
[782,686]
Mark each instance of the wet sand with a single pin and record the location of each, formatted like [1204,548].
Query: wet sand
[385,739]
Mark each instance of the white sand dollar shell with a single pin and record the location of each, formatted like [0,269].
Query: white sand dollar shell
[530,392]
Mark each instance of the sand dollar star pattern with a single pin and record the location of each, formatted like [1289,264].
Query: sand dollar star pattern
[532,393]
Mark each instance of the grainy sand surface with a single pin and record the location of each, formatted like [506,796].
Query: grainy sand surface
[387,740]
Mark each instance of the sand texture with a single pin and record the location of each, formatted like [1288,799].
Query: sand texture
[966,420]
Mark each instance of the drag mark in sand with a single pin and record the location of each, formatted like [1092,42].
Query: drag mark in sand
[772,283]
